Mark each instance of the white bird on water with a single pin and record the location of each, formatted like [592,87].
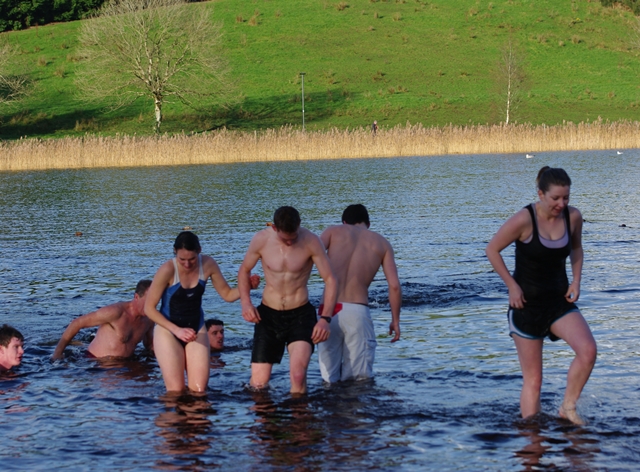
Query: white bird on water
[619,152]
[528,156]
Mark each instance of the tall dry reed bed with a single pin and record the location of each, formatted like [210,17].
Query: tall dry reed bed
[291,144]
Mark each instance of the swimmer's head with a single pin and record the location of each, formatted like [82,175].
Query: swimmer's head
[187,240]
[142,287]
[286,219]
[7,333]
[215,333]
[548,176]
[354,214]
[11,347]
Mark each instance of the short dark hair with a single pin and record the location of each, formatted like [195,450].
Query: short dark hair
[548,176]
[210,323]
[354,214]
[286,219]
[7,333]
[142,287]
[187,240]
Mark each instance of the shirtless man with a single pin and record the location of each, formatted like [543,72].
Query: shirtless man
[122,326]
[11,347]
[215,332]
[285,317]
[356,254]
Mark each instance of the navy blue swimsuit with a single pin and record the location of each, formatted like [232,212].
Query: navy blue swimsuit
[183,306]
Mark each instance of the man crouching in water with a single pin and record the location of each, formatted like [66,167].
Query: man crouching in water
[356,254]
[122,326]
[285,317]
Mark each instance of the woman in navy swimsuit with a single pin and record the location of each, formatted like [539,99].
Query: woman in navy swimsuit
[180,339]
[541,300]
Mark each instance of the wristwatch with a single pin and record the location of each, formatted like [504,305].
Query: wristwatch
[326,318]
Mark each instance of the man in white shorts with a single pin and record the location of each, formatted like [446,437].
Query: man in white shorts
[356,254]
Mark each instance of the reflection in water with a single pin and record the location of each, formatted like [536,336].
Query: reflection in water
[118,369]
[328,430]
[286,432]
[576,448]
[13,394]
[186,429]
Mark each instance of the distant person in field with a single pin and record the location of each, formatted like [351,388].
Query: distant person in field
[122,326]
[374,127]
[541,299]
[11,348]
[215,332]
[285,318]
[356,254]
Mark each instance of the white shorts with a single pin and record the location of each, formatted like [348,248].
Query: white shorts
[350,350]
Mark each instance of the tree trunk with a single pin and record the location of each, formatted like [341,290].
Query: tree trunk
[158,103]
[506,122]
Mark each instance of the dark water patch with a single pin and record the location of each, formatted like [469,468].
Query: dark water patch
[416,294]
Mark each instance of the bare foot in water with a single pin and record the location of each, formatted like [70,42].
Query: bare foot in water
[572,415]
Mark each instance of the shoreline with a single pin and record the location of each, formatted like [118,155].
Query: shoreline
[291,144]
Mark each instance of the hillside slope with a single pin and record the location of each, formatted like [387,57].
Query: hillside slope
[430,61]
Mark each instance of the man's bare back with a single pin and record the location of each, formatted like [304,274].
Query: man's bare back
[122,326]
[356,254]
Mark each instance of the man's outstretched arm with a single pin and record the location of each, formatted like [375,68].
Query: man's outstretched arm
[107,314]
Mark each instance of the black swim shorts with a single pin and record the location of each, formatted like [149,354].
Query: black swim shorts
[534,321]
[277,329]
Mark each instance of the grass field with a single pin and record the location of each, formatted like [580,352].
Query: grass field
[397,61]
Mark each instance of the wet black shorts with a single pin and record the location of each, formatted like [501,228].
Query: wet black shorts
[534,322]
[277,328]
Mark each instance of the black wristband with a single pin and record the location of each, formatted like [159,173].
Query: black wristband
[326,318]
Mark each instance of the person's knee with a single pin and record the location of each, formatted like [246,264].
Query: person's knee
[198,388]
[259,377]
[533,382]
[298,377]
[588,353]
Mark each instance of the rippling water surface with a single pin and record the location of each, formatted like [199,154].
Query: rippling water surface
[444,397]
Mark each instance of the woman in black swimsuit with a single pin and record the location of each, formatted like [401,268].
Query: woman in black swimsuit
[541,300]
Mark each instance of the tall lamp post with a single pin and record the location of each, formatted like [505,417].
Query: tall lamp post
[302,75]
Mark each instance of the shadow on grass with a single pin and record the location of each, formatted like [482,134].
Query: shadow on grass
[34,124]
[275,111]
[250,114]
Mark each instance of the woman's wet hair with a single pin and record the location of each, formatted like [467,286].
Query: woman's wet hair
[548,176]
[187,240]
[286,219]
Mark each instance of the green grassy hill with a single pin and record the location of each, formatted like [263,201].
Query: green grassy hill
[428,61]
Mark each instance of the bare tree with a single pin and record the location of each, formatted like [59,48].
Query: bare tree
[510,79]
[13,88]
[155,49]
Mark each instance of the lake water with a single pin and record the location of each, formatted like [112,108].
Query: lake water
[445,397]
